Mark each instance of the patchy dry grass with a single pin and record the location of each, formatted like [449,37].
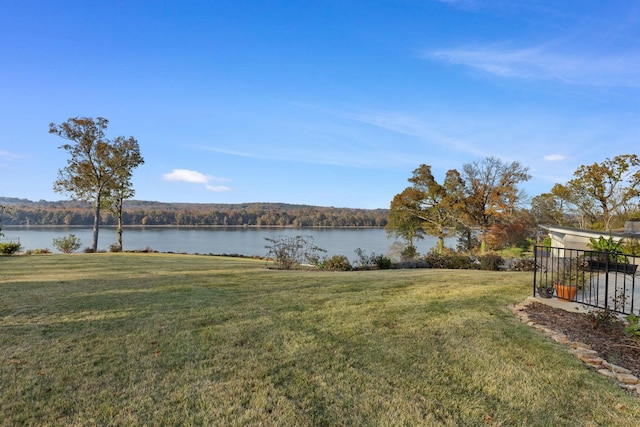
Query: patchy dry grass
[156,339]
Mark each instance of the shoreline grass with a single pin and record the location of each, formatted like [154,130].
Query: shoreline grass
[158,339]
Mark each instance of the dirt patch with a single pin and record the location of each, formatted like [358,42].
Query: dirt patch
[606,337]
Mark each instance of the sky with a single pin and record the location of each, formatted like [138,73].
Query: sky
[318,102]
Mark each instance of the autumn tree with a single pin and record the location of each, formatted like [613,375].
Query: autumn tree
[491,193]
[546,208]
[426,207]
[403,222]
[126,154]
[602,190]
[97,166]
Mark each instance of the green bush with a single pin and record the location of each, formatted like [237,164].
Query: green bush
[67,244]
[435,260]
[491,262]
[383,262]
[524,264]
[9,248]
[461,262]
[408,253]
[38,251]
[366,261]
[337,263]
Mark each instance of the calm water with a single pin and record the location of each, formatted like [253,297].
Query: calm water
[244,241]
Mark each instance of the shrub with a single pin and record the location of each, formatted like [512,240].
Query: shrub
[416,263]
[337,263]
[289,252]
[369,261]
[435,260]
[67,244]
[491,262]
[524,264]
[38,251]
[382,262]
[408,253]
[9,248]
[458,261]
[115,247]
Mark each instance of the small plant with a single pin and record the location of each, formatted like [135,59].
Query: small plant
[115,247]
[460,262]
[409,252]
[369,261]
[633,329]
[382,262]
[336,262]
[38,251]
[631,246]
[603,319]
[9,248]
[68,244]
[491,262]
[611,247]
[290,252]
[524,264]
[435,260]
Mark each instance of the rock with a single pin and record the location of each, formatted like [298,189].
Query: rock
[561,338]
[590,359]
[627,378]
[616,368]
[582,350]
[606,373]
[580,345]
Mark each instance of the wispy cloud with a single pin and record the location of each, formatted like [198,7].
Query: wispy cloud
[9,156]
[548,63]
[336,156]
[217,188]
[554,157]
[194,177]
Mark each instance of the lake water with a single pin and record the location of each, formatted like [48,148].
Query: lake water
[243,241]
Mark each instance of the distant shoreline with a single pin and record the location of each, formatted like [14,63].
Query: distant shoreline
[288,227]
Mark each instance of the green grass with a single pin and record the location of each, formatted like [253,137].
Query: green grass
[156,339]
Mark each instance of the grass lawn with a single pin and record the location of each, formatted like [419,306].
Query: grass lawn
[158,339]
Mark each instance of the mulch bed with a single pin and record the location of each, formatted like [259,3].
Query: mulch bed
[607,337]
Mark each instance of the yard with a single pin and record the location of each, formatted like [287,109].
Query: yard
[161,339]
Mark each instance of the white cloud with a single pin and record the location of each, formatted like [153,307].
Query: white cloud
[554,157]
[186,175]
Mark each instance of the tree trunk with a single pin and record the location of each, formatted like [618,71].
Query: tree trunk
[96,223]
[119,230]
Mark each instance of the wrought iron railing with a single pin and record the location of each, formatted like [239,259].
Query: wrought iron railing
[597,279]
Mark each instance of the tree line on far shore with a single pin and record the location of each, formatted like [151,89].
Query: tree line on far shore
[141,213]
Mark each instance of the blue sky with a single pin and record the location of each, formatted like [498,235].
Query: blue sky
[330,103]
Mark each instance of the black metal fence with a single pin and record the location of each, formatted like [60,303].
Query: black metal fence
[597,279]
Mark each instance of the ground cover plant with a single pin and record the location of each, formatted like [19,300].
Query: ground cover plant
[162,339]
